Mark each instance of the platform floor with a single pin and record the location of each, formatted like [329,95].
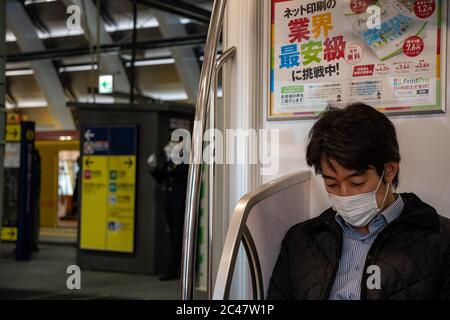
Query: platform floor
[44,277]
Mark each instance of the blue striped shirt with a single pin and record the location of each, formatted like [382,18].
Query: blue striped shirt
[355,247]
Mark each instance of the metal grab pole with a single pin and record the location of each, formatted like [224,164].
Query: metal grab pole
[211,188]
[193,188]
[228,54]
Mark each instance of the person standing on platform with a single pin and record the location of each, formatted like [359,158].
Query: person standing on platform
[174,180]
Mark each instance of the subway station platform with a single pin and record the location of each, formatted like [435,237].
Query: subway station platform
[45,277]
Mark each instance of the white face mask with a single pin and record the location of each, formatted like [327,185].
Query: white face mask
[360,209]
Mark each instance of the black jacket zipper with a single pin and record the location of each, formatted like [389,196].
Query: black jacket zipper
[339,238]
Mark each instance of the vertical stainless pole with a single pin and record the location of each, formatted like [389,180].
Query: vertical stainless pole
[2,104]
[194,177]
[211,187]
[229,53]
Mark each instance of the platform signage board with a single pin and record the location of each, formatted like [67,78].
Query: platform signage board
[19,187]
[108,192]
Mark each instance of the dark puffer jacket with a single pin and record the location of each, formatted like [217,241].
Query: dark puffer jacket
[413,253]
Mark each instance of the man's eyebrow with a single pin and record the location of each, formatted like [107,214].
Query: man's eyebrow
[355,174]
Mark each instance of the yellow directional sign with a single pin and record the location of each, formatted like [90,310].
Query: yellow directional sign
[122,183]
[9,234]
[108,203]
[13,133]
[94,191]
[13,118]
[108,189]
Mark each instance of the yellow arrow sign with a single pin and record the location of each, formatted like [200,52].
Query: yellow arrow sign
[13,133]
[9,234]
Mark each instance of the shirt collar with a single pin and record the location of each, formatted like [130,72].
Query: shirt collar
[394,210]
[382,219]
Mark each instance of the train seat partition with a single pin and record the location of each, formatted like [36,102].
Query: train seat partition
[260,221]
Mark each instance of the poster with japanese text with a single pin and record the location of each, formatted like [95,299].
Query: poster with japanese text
[384,53]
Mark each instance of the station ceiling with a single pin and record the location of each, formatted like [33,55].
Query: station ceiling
[49,64]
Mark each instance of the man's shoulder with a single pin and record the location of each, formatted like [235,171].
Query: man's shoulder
[444,224]
[308,225]
[423,214]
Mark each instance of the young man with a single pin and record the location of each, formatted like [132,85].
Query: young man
[373,243]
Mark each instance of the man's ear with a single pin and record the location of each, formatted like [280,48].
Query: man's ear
[390,171]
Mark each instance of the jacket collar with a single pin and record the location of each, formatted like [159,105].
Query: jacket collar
[418,212]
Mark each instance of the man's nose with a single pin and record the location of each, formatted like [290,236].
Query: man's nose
[344,190]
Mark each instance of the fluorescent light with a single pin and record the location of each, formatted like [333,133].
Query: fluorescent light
[20,72]
[37,103]
[10,37]
[153,62]
[60,33]
[84,67]
[168,95]
[26,72]
[144,22]
[98,99]
[126,25]
[141,63]
[185,20]
[28,2]
[32,104]
[54,33]
[88,67]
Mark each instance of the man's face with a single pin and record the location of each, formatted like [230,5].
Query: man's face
[344,182]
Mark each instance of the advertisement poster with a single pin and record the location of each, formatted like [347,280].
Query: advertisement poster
[384,53]
[108,189]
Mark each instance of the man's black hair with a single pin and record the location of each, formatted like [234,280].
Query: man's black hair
[357,137]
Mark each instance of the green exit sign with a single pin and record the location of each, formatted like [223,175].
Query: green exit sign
[105,84]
